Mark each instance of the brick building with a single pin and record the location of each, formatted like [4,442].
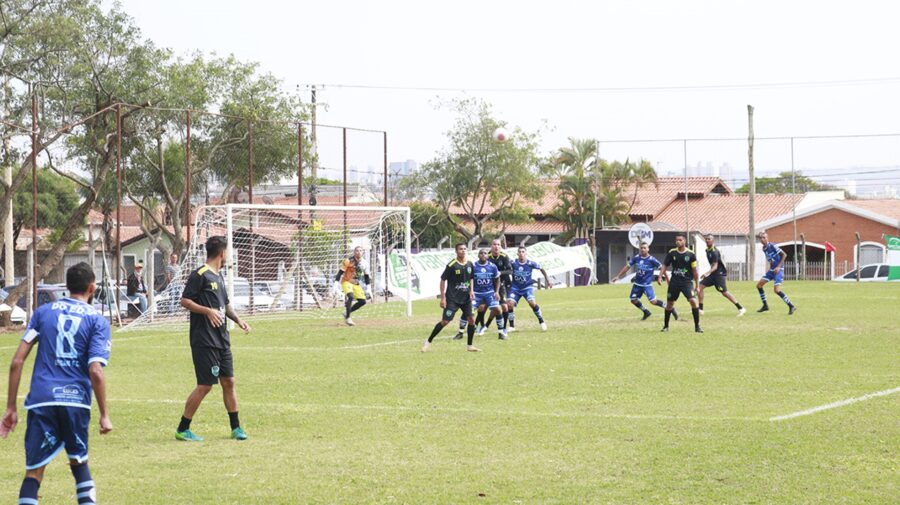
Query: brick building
[837,222]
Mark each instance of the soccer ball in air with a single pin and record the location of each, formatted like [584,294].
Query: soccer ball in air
[500,135]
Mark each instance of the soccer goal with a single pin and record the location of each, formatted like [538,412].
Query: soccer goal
[282,261]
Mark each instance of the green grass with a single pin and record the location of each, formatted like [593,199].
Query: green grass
[600,409]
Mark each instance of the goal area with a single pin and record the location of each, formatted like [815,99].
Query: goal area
[282,261]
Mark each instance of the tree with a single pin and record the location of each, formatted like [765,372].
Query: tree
[430,225]
[781,183]
[56,199]
[591,189]
[485,180]
[103,61]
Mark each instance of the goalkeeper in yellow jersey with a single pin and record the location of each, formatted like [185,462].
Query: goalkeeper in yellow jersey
[354,278]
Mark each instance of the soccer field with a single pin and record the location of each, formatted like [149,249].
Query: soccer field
[602,408]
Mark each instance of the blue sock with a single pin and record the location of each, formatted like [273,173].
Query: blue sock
[28,493]
[500,324]
[639,305]
[463,323]
[512,318]
[537,312]
[84,486]
[786,299]
[762,296]
[658,303]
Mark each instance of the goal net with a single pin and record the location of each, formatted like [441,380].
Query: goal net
[282,261]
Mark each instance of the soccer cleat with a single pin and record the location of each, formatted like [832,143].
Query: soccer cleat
[510,329]
[647,314]
[458,336]
[501,335]
[792,310]
[239,434]
[348,321]
[481,331]
[701,312]
[675,314]
[426,346]
[742,312]
[764,308]
[698,330]
[544,326]
[664,329]
[187,436]
[472,348]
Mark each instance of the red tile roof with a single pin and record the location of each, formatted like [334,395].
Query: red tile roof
[542,227]
[727,214]
[652,199]
[888,207]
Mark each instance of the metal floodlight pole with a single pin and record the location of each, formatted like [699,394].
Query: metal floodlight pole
[687,215]
[346,231]
[250,161]
[118,203]
[34,145]
[385,170]
[188,177]
[794,211]
[299,164]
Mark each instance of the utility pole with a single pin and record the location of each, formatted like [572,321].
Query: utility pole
[751,256]
[314,170]
[8,246]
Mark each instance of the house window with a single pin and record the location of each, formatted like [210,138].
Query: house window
[870,253]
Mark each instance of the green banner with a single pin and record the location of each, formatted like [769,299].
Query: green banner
[893,257]
[426,267]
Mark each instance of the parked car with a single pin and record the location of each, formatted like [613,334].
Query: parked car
[102,305]
[262,301]
[18,314]
[46,293]
[876,272]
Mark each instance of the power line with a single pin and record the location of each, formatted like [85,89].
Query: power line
[628,89]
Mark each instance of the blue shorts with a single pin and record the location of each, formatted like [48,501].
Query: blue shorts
[772,276]
[515,294]
[52,428]
[637,291]
[486,299]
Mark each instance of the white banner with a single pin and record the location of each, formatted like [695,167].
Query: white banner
[427,267]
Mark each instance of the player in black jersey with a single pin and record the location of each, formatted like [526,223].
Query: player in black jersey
[205,297]
[716,276]
[457,293]
[502,262]
[683,262]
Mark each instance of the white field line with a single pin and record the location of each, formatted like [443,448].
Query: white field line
[458,410]
[835,405]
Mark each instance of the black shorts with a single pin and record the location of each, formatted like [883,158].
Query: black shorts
[211,363]
[679,288]
[452,307]
[716,280]
[503,292]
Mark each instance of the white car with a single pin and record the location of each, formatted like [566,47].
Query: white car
[876,272]
[18,314]
[262,302]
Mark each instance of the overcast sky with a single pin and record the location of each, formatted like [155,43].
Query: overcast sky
[848,48]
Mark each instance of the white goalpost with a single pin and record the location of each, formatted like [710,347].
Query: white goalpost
[282,261]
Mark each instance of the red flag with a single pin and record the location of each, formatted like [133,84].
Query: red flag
[829,248]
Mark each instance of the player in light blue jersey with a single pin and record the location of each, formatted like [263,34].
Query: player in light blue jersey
[74,345]
[775,259]
[523,287]
[487,292]
[644,266]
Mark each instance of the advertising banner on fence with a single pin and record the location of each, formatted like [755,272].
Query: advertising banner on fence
[428,266]
[893,257]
